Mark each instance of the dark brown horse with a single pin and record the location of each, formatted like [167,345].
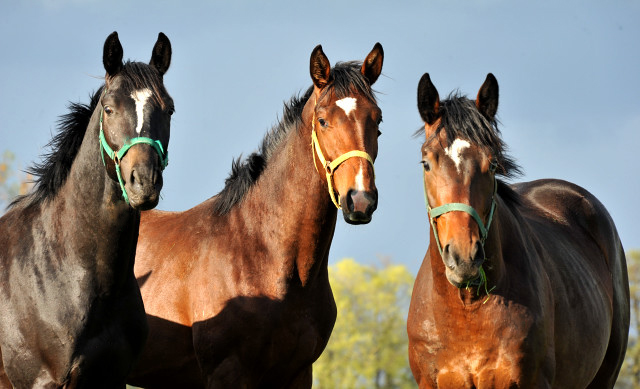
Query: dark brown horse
[522,286]
[71,314]
[236,289]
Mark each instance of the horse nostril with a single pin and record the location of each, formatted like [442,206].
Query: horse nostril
[478,254]
[362,201]
[350,205]
[133,179]
[137,178]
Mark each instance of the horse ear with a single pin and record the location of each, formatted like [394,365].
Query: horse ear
[161,55]
[320,68]
[372,65]
[428,100]
[112,54]
[487,100]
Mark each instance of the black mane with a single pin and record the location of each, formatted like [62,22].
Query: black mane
[460,118]
[51,174]
[347,80]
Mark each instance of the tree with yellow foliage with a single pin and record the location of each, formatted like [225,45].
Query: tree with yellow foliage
[630,373]
[12,182]
[368,346]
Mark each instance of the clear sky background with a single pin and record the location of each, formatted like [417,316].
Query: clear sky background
[569,75]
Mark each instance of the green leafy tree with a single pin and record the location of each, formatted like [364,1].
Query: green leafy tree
[368,346]
[630,373]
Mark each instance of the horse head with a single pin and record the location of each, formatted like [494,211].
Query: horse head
[459,175]
[345,133]
[135,121]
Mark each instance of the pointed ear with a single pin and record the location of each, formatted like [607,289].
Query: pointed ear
[372,65]
[428,100]
[161,55]
[487,100]
[320,68]
[112,54]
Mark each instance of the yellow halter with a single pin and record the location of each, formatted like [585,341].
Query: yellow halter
[331,166]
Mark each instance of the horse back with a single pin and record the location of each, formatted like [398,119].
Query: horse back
[584,259]
[555,207]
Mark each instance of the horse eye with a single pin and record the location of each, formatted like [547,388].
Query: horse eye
[171,111]
[108,110]
[426,166]
[322,122]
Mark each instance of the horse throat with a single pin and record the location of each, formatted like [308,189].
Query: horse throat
[104,224]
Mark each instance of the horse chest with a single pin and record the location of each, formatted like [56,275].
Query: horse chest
[489,346]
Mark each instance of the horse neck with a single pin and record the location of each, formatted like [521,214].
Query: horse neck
[289,210]
[103,227]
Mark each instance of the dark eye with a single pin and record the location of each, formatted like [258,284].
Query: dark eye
[493,166]
[425,165]
[108,110]
[171,111]
[323,123]
[379,133]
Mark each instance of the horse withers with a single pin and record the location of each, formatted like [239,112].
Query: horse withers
[237,289]
[71,314]
[522,286]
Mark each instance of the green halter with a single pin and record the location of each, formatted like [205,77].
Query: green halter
[450,207]
[117,156]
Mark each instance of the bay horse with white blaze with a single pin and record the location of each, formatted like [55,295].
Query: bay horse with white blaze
[236,289]
[522,286]
[71,314]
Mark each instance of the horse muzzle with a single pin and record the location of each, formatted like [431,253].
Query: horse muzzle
[462,271]
[143,181]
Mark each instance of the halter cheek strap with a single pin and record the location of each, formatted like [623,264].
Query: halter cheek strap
[117,156]
[331,166]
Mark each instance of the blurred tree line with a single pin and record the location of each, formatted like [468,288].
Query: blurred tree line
[629,377]
[12,181]
[368,345]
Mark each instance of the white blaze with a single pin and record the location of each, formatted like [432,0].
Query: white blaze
[140,97]
[455,150]
[348,104]
[359,181]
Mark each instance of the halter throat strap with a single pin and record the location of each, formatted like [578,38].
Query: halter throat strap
[117,156]
[331,166]
[434,213]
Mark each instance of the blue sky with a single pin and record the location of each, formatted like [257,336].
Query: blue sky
[569,75]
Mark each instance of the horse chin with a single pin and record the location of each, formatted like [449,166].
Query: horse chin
[356,218]
[462,281]
[144,202]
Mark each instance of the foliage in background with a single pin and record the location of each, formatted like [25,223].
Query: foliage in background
[12,182]
[630,374]
[368,346]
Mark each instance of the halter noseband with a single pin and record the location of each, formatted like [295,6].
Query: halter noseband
[117,156]
[331,166]
[450,207]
